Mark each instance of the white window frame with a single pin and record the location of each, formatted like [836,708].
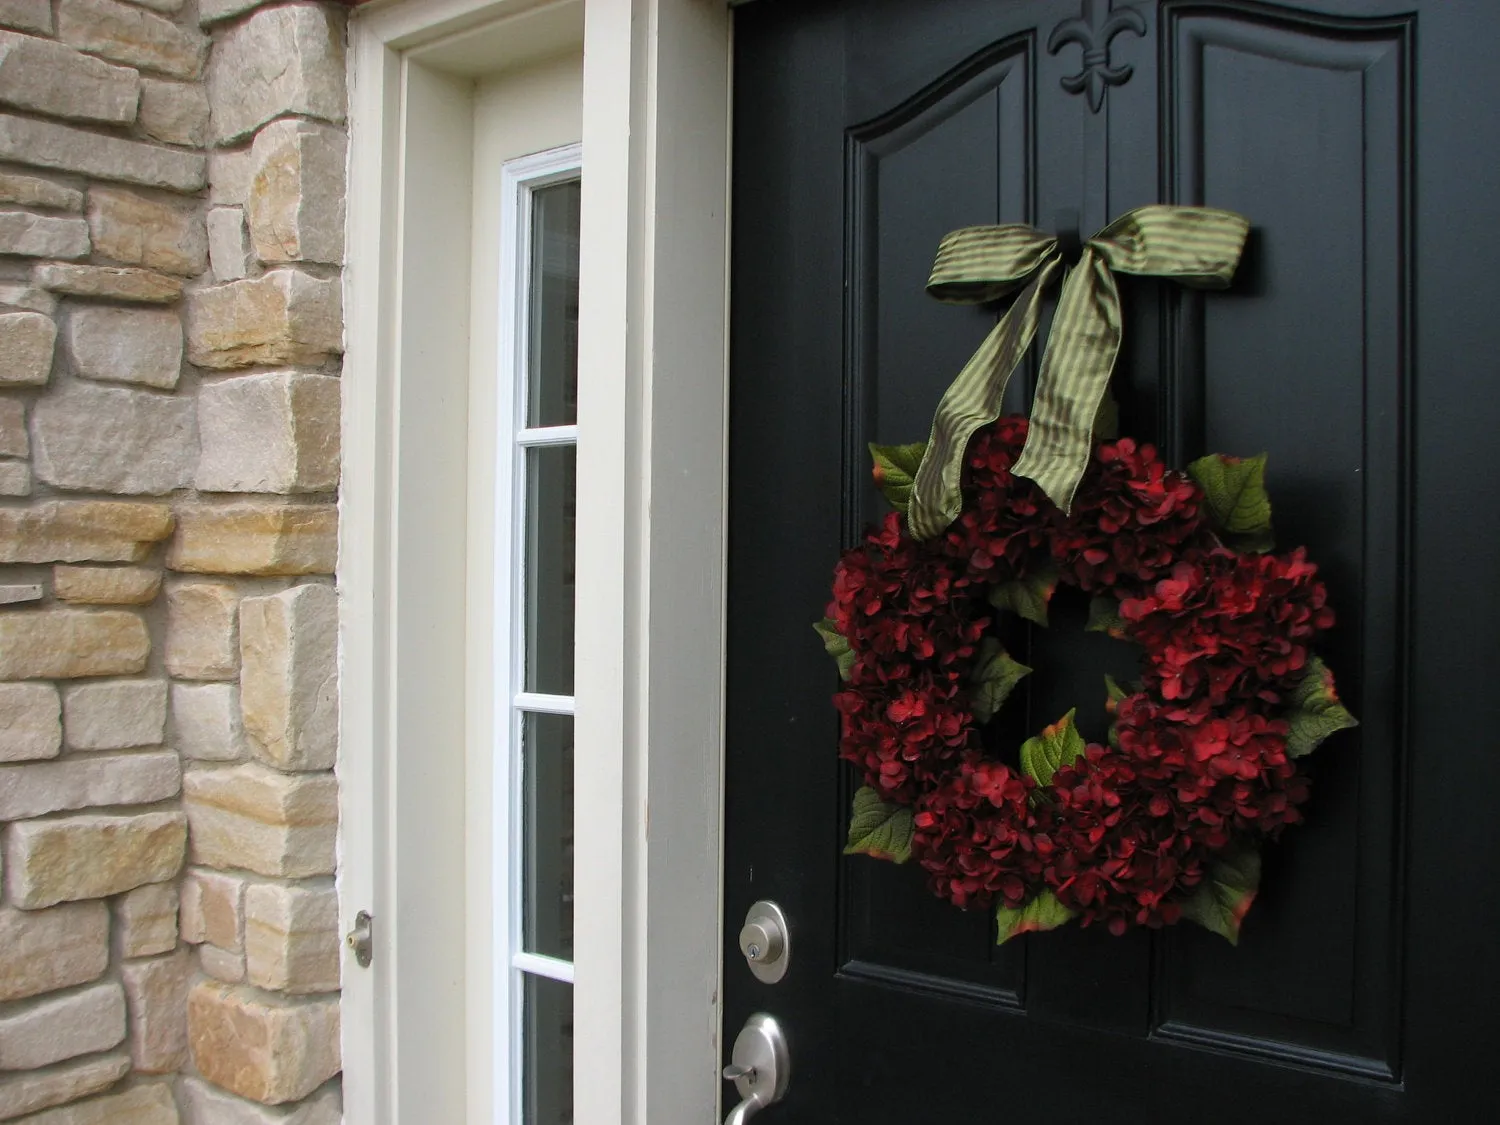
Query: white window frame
[519,181]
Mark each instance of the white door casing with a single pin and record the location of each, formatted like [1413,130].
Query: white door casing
[417,577]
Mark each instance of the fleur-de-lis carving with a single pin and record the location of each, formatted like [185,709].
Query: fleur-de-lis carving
[1095,37]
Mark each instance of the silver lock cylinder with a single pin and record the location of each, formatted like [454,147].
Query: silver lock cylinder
[765,942]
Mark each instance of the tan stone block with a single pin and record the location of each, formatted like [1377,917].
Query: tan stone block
[229,172]
[205,1104]
[106,585]
[158,991]
[46,144]
[100,438]
[280,61]
[38,1089]
[174,112]
[292,937]
[146,920]
[21,592]
[44,950]
[91,856]
[13,439]
[289,687]
[228,243]
[277,432]
[30,722]
[126,345]
[47,77]
[141,230]
[128,35]
[114,283]
[62,1026]
[260,1046]
[27,15]
[296,204]
[288,538]
[27,340]
[140,1105]
[222,964]
[82,531]
[273,823]
[15,478]
[42,236]
[115,714]
[25,296]
[284,317]
[61,644]
[202,630]
[38,788]
[219,899]
[38,191]
[205,723]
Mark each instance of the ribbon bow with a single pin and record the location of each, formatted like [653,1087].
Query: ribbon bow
[1198,246]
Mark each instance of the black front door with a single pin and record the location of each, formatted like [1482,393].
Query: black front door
[1358,348]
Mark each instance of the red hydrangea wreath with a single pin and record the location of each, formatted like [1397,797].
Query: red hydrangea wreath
[1164,819]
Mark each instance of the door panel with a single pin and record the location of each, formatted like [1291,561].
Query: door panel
[865,130]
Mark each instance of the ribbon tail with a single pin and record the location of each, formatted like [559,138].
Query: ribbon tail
[972,400]
[1080,357]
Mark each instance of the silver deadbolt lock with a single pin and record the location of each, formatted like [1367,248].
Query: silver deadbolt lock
[759,1066]
[765,941]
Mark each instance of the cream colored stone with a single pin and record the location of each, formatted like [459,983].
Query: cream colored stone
[27,297]
[167,6]
[205,1104]
[203,630]
[82,531]
[217,11]
[27,15]
[42,236]
[126,345]
[37,788]
[128,35]
[140,230]
[47,144]
[222,964]
[140,1105]
[285,317]
[113,283]
[205,724]
[250,816]
[276,432]
[260,1046]
[158,991]
[110,439]
[106,585]
[90,856]
[44,950]
[292,937]
[47,77]
[219,899]
[28,1092]
[13,439]
[26,343]
[267,539]
[228,246]
[38,191]
[289,686]
[296,204]
[30,722]
[15,478]
[15,594]
[60,644]
[62,1026]
[229,172]
[174,112]
[287,60]
[115,714]
[146,920]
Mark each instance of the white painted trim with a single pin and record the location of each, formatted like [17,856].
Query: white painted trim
[544,704]
[548,435]
[538,965]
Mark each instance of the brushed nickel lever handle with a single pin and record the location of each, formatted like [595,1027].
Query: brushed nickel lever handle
[759,1067]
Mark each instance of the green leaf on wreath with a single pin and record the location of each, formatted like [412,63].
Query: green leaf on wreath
[1114,693]
[1026,596]
[1104,617]
[1058,745]
[1044,912]
[836,645]
[895,469]
[878,828]
[994,677]
[1235,490]
[1315,710]
[1225,895]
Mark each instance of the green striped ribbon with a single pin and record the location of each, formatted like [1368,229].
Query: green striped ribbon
[1197,246]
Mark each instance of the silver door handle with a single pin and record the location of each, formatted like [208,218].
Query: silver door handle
[759,1066]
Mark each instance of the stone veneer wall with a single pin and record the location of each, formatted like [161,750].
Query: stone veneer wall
[171,228]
